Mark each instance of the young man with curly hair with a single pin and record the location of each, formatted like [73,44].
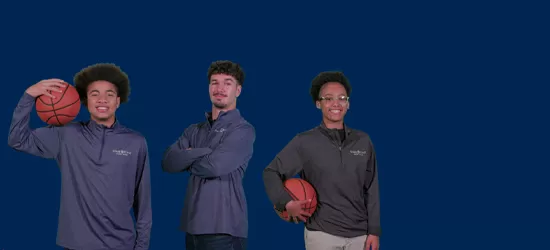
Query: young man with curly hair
[104,165]
[340,163]
[216,153]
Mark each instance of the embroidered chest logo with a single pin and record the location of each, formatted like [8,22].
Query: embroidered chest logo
[221,130]
[358,152]
[122,152]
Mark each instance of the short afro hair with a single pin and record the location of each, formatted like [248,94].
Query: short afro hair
[326,77]
[227,68]
[102,72]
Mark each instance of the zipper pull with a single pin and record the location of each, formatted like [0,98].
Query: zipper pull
[340,148]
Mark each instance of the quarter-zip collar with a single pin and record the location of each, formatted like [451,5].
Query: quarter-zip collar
[334,136]
[100,129]
[224,116]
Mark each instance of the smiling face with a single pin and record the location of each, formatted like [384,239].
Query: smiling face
[224,90]
[102,102]
[334,104]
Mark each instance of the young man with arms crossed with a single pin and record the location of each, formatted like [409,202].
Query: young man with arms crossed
[340,163]
[216,153]
[104,165]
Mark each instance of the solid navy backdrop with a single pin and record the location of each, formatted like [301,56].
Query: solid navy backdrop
[434,84]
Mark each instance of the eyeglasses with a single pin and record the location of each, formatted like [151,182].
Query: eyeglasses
[342,100]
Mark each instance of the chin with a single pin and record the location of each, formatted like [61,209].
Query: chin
[103,117]
[220,105]
[335,119]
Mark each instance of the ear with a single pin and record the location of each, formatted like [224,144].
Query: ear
[117,102]
[318,104]
[239,88]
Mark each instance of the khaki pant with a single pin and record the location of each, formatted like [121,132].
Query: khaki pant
[317,240]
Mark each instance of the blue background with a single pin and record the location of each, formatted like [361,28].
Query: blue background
[453,94]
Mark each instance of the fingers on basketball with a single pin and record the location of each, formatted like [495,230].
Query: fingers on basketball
[304,193]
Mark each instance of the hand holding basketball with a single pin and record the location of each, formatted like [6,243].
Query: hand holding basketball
[303,203]
[296,211]
[45,86]
[57,102]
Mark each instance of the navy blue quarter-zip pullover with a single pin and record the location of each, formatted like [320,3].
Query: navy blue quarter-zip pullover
[216,155]
[104,174]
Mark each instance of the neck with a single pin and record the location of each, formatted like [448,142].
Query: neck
[216,111]
[333,125]
[107,123]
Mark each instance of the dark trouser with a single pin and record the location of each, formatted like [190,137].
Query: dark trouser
[214,242]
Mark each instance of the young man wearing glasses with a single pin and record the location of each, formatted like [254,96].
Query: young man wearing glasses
[340,163]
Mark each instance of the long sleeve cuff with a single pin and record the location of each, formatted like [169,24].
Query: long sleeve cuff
[374,231]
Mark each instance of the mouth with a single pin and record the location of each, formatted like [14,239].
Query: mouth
[101,109]
[219,95]
[335,111]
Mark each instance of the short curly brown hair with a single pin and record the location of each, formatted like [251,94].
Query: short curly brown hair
[326,77]
[102,72]
[227,68]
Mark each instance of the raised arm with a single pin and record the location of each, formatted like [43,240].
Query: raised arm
[142,201]
[43,142]
[286,164]
[372,197]
[233,153]
[179,156]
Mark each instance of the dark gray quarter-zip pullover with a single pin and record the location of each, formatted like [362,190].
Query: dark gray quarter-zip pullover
[343,173]
[104,174]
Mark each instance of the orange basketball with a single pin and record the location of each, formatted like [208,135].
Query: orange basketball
[60,110]
[300,190]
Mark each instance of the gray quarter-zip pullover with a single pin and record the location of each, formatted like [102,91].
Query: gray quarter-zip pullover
[344,174]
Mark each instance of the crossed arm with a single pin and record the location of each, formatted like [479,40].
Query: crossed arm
[179,156]
[231,154]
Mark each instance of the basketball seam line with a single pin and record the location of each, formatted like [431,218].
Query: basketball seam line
[305,195]
[55,114]
[68,105]
[70,116]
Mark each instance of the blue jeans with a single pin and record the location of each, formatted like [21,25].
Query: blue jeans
[214,242]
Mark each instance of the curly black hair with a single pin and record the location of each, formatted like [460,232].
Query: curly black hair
[227,68]
[326,77]
[102,72]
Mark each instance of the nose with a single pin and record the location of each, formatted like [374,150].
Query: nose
[102,99]
[220,89]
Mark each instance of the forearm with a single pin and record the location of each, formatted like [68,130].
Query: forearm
[275,190]
[144,223]
[230,155]
[210,167]
[177,159]
[204,168]
[142,208]
[373,208]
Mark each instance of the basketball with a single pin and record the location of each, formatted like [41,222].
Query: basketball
[300,190]
[60,110]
